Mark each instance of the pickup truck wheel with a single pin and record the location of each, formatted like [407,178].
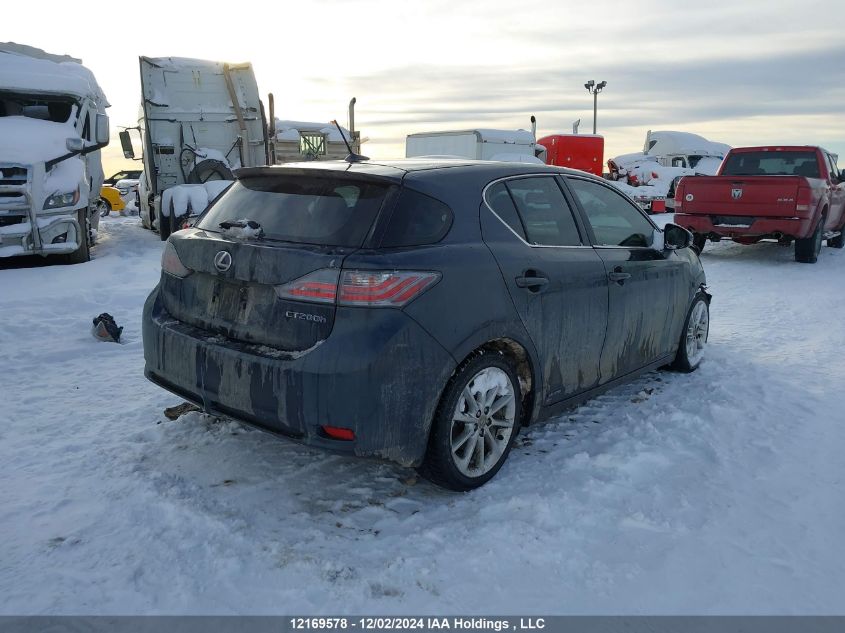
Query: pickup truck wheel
[807,249]
[694,336]
[699,241]
[103,207]
[83,253]
[839,240]
[475,424]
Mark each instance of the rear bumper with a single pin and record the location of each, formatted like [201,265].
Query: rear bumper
[758,227]
[379,374]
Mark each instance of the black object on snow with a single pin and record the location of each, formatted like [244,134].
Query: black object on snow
[105,329]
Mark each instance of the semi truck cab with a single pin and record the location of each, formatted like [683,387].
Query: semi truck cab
[52,127]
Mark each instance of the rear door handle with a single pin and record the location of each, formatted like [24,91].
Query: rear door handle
[531,281]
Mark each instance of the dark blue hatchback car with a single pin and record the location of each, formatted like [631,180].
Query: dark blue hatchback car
[419,311]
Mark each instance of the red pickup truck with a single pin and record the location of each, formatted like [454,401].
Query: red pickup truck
[789,194]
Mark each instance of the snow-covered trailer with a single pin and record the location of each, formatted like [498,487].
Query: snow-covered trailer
[53,124]
[295,141]
[477,144]
[199,121]
[682,149]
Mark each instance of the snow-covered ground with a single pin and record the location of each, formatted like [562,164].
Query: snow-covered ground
[716,492]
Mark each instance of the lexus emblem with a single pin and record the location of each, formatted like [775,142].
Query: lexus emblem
[736,194]
[223,261]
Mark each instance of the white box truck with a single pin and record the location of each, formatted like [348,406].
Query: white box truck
[477,144]
[53,124]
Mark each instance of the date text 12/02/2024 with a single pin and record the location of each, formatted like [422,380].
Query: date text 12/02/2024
[416,623]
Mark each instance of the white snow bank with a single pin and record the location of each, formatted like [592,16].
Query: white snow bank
[717,492]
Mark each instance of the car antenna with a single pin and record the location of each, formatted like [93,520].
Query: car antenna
[353,157]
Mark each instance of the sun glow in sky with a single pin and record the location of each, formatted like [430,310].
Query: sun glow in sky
[751,72]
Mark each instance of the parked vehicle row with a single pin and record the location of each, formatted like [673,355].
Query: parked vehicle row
[419,311]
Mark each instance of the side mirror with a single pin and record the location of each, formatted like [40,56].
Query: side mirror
[102,129]
[126,144]
[676,237]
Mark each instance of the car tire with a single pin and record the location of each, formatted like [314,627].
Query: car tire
[103,207]
[83,253]
[475,423]
[807,249]
[693,336]
[838,241]
[698,242]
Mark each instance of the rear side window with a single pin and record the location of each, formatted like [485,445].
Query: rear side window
[301,209]
[545,213]
[499,199]
[416,220]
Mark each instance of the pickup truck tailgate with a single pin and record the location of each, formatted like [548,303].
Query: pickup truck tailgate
[761,196]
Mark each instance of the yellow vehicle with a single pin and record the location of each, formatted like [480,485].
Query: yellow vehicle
[109,201]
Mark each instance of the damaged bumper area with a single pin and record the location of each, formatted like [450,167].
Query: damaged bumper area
[23,230]
[378,375]
[56,235]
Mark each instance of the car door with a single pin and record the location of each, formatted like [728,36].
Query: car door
[556,280]
[648,293]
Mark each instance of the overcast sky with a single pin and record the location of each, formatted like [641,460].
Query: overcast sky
[742,72]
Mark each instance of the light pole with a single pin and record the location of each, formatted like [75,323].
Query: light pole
[595,88]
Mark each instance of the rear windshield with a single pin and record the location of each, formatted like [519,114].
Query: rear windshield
[772,164]
[303,210]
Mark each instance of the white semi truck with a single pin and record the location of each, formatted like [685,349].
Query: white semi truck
[53,124]
[199,121]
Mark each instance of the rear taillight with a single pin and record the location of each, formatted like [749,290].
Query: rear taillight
[319,286]
[339,433]
[803,199]
[373,288]
[679,197]
[383,288]
[170,262]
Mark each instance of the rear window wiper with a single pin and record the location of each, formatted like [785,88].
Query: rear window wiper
[243,228]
